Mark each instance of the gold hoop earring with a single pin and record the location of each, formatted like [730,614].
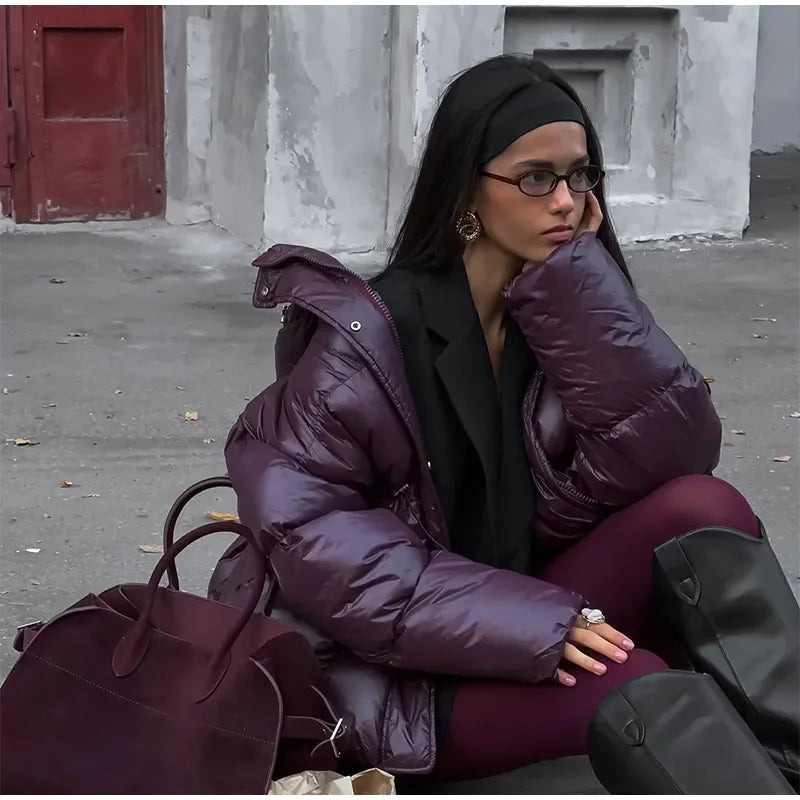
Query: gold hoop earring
[468,227]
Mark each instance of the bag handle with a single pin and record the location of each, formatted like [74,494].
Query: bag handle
[219,482]
[132,648]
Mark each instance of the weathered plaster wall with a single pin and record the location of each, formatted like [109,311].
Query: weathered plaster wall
[776,118]
[236,154]
[305,123]
[713,131]
[187,87]
[421,70]
[328,127]
[678,158]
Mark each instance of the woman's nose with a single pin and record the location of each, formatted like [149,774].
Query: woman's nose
[562,198]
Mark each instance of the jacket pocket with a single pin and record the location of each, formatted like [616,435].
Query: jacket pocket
[405,505]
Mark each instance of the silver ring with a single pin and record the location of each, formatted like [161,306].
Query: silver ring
[593,616]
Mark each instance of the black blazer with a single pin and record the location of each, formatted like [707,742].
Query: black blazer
[471,424]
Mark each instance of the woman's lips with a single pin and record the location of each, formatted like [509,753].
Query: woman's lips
[563,235]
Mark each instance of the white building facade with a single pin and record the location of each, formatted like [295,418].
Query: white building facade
[304,123]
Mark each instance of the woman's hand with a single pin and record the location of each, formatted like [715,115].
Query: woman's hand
[592,216]
[601,639]
[590,223]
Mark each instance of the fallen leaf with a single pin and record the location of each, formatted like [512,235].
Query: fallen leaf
[191,416]
[76,334]
[795,415]
[86,496]
[62,341]
[763,319]
[709,379]
[737,432]
[209,441]
[760,336]
[151,548]
[65,484]
[222,516]
[23,442]
[50,405]
[33,549]
[179,388]
[117,391]
[5,390]
[57,280]
[782,459]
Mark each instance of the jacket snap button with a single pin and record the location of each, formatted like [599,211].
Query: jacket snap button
[265,291]
[355,326]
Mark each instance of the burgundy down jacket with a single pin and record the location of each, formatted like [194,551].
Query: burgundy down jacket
[330,471]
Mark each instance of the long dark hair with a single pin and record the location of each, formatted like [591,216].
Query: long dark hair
[448,172]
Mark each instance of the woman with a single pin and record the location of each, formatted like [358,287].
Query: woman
[461,462]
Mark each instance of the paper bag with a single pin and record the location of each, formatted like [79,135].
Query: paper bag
[372,781]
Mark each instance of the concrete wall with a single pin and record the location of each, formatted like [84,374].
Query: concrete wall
[305,123]
[776,117]
[711,183]
[187,88]
[236,156]
[328,126]
[421,70]
[671,91]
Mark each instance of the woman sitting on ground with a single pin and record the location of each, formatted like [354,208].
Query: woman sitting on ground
[466,464]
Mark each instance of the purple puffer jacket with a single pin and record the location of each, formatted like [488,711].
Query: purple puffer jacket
[330,471]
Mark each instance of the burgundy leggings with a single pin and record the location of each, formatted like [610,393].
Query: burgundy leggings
[499,726]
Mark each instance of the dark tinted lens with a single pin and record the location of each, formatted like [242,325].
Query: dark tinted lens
[584,178]
[538,183]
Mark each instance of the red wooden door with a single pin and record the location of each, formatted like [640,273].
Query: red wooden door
[94,111]
[6,119]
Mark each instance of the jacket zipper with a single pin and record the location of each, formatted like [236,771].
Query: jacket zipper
[374,296]
[589,503]
[383,308]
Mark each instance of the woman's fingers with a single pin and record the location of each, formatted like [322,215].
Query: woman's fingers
[613,635]
[589,640]
[564,678]
[580,659]
[595,214]
[601,639]
[592,216]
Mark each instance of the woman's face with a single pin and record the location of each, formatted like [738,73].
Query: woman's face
[522,226]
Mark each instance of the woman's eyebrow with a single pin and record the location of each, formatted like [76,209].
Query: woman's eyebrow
[536,163]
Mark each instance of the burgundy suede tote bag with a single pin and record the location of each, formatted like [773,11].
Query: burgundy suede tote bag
[150,690]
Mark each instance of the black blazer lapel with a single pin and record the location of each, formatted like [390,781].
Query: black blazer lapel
[463,364]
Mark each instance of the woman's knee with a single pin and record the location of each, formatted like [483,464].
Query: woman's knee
[700,501]
[640,662]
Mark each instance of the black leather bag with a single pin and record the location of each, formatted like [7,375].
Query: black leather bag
[674,732]
[724,595]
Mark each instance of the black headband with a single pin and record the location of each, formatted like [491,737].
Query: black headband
[536,104]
